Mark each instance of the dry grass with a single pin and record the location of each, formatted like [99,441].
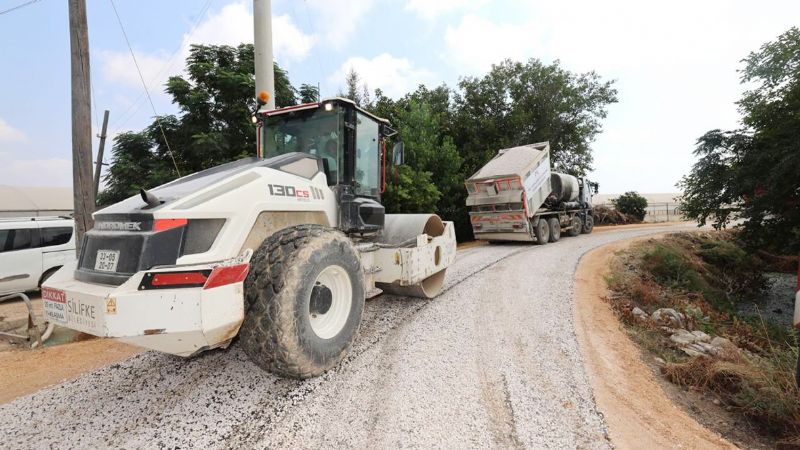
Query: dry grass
[704,275]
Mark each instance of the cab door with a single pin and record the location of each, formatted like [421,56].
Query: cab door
[20,260]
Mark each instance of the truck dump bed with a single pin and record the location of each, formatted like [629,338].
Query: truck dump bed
[509,189]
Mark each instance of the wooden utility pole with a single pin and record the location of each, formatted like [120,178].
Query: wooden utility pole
[82,192]
[98,165]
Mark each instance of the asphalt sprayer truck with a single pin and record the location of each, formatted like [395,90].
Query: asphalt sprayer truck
[280,250]
[516,197]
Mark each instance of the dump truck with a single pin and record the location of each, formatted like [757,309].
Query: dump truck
[280,249]
[516,197]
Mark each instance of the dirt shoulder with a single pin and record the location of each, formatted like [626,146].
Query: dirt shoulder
[638,412]
[24,372]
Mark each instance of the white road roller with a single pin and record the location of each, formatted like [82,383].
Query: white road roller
[281,250]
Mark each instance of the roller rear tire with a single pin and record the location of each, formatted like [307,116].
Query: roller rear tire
[304,297]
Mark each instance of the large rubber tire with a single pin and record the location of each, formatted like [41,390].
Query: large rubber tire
[554,228]
[285,272]
[541,232]
[576,227]
[588,225]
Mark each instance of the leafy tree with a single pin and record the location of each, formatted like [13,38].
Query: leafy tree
[430,177]
[357,90]
[308,93]
[632,204]
[215,101]
[521,103]
[753,173]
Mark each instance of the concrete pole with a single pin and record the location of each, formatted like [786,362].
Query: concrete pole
[82,189]
[265,76]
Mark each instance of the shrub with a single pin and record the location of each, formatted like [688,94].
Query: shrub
[603,215]
[632,204]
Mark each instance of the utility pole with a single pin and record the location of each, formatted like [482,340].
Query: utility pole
[98,165]
[262,43]
[82,193]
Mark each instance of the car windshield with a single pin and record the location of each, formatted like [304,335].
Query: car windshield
[318,132]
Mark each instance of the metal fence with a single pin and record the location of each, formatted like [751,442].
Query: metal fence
[659,212]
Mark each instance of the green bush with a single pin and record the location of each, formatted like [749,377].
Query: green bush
[672,268]
[632,204]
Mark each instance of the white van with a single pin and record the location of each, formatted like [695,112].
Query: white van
[32,249]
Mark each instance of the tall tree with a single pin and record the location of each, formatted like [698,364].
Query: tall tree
[308,93]
[430,178]
[753,173]
[521,103]
[215,101]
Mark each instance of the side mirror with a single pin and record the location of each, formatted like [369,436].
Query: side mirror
[398,154]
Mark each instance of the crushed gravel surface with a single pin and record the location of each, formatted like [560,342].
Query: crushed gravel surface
[492,362]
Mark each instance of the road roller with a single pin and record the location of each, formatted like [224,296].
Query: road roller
[279,251]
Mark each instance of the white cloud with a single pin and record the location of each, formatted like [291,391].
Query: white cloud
[429,10]
[232,25]
[394,76]
[10,134]
[35,172]
[476,43]
[337,20]
[675,64]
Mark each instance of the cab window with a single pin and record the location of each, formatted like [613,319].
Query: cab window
[318,133]
[367,156]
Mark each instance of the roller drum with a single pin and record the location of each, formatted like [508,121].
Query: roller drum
[401,228]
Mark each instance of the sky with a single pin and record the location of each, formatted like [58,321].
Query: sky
[674,64]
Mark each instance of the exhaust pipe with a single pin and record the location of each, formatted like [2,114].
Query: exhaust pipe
[149,198]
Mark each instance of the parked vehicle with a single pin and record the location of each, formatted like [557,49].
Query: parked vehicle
[32,249]
[515,197]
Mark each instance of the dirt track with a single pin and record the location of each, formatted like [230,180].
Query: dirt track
[493,361]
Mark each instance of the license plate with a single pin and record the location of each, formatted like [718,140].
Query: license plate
[106,260]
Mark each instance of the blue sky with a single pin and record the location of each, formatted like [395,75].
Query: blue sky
[675,64]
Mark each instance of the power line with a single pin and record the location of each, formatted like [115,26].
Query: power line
[134,107]
[146,91]
[19,6]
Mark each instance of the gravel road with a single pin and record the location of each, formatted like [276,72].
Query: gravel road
[491,362]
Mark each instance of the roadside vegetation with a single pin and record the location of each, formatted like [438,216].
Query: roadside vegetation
[449,132]
[680,299]
[632,204]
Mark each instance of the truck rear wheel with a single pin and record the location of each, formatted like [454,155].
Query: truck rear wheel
[554,228]
[304,298]
[541,231]
[576,227]
[588,225]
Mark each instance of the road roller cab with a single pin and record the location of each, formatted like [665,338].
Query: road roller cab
[281,249]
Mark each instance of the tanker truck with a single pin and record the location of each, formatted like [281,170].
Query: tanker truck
[516,197]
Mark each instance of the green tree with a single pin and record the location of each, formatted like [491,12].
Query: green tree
[308,93]
[632,204]
[522,103]
[431,178]
[215,101]
[753,173]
